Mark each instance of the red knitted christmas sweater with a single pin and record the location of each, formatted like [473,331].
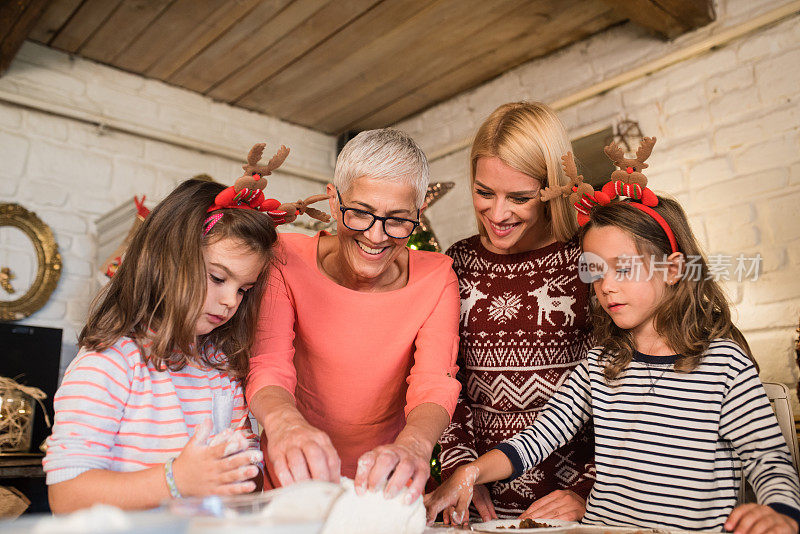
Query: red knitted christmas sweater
[524,327]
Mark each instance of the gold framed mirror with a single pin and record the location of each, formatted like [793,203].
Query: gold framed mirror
[29,268]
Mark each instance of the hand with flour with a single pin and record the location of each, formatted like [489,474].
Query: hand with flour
[406,462]
[222,465]
[297,450]
[394,467]
[455,494]
[235,441]
[482,500]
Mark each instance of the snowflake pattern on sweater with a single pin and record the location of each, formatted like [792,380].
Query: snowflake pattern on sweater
[523,327]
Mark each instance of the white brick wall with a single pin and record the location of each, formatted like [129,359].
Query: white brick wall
[728,124]
[69,172]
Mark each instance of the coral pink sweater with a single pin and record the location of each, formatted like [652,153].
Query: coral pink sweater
[115,412]
[357,362]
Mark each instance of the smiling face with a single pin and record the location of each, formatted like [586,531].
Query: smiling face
[624,291]
[508,205]
[367,256]
[231,269]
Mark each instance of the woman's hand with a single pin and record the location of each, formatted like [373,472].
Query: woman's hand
[299,451]
[759,519]
[203,469]
[559,504]
[482,500]
[403,463]
[456,493]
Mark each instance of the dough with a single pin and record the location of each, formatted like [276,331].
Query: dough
[98,518]
[346,512]
[372,512]
[302,502]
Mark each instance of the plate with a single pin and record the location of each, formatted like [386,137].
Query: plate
[501,525]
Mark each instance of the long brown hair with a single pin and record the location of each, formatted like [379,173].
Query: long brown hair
[693,311]
[157,294]
[530,138]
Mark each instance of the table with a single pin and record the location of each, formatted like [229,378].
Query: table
[21,465]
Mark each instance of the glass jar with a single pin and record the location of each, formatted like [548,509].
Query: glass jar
[16,420]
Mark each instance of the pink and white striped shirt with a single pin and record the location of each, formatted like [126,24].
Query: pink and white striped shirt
[115,412]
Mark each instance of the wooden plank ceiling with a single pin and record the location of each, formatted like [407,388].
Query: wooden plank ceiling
[17,19]
[334,65]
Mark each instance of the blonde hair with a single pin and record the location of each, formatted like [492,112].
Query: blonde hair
[530,138]
[384,154]
[693,312]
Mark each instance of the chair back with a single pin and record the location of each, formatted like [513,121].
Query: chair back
[778,395]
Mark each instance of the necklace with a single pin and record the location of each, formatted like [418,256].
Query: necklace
[653,381]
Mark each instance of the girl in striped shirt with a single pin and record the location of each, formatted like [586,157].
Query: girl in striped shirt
[674,395]
[163,357]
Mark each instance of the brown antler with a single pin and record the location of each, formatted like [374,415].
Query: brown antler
[254,156]
[644,150]
[301,206]
[615,154]
[571,170]
[277,160]
[318,214]
[549,193]
[313,199]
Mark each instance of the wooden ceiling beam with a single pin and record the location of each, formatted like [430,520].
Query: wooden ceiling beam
[667,18]
[54,17]
[17,19]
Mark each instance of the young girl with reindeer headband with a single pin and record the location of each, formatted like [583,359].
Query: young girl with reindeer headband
[671,388]
[165,351]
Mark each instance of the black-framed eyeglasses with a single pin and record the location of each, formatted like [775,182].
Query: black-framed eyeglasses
[362,220]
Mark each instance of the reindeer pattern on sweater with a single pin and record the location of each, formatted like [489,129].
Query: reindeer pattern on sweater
[523,327]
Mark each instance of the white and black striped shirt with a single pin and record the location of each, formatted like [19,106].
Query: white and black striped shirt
[670,446]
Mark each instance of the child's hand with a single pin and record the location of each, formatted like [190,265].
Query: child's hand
[559,504]
[455,492]
[759,519]
[203,469]
[483,503]
[482,500]
[235,441]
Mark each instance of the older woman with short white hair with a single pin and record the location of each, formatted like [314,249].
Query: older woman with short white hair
[353,368]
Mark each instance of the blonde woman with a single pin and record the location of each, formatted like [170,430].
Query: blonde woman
[524,314]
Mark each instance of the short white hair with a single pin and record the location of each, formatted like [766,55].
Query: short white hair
[384,154]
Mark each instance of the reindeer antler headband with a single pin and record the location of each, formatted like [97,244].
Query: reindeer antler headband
[248,192]
[627,181]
